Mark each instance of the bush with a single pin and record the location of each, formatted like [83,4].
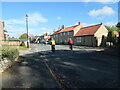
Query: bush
[22,44]
[10,53]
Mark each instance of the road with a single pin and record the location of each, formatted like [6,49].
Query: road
[80,68]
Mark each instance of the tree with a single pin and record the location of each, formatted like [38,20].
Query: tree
[23,36]
[113,28]
[118,26]
[111,36]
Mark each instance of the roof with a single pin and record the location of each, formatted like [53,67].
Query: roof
[68,29]
[5,31]
[90,30]
[11,39]
[65,30]
[115,32]
[56,32]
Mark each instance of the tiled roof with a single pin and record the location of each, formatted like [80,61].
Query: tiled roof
[90,30]
[56,32]
[65,30]
[68,29]
[5,31]
[115,32]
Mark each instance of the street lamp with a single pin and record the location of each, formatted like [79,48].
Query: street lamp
[27,30]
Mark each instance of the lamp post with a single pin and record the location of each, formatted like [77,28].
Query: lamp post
[27,30]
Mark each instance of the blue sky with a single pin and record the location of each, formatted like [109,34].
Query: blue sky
[47,16]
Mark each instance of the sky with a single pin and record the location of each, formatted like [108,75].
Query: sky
[47,16]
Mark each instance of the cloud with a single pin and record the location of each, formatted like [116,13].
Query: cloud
[58,18]
[84,24]
[110,23]
[36,17]
[16,27]
[14,21]
[104,11]
[17,31]
[33,19]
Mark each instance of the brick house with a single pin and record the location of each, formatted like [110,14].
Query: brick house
[94,35]
[1,30]
[62,36]
[91,36]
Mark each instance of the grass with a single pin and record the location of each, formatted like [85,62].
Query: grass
[15,46]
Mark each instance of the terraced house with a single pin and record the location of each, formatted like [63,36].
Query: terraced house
[94,35]
[62,36]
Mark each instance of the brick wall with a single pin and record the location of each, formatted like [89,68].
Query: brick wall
[1,30]
[10,42]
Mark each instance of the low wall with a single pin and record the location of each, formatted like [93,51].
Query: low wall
[10,42]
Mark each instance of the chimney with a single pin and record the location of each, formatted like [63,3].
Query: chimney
[63,26]
[79,23]
[54,30]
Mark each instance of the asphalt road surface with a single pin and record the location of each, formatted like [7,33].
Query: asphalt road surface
[83,67]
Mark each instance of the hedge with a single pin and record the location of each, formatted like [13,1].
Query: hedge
[10,52]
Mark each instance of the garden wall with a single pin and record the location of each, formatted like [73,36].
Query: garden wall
[10,42]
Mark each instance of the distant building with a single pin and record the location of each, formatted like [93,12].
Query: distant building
[116,33]
[45,37]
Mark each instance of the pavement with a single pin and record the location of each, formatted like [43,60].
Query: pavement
[31,72]
[80,68]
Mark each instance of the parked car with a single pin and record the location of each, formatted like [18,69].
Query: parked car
[44,42]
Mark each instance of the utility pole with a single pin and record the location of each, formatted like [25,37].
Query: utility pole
[27,30]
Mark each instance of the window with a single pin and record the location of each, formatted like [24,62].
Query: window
[65,41]
[78,39]
[61,34]
[68,33]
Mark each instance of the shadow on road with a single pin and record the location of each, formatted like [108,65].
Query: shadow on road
[30,72]
[77,69]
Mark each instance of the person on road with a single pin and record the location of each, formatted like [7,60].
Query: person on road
[53,45]
[70,42]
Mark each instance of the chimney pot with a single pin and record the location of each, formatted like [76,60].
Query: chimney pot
[54,30]
[63,26]
[79,23]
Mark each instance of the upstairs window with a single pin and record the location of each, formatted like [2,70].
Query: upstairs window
[68,33]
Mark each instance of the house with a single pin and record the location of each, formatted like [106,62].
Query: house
[45,37]
[94,35]
[3,33]
[116,33]
[63,34]
[1,30]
